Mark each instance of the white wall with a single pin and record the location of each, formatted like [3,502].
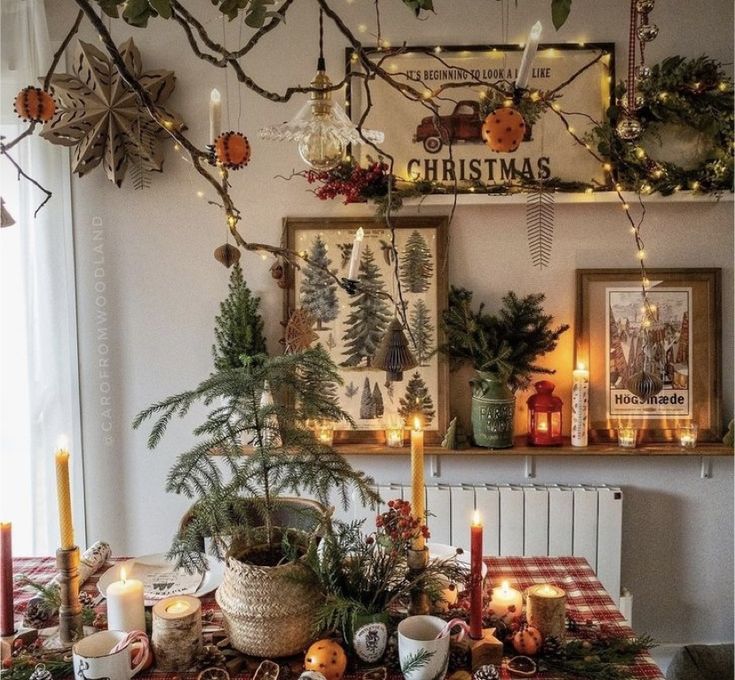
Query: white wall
[148,290]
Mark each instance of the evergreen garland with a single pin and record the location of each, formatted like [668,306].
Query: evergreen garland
[238,330]
[507,343]
[302,465]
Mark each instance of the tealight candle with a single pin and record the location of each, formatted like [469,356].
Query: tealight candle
[506,603]
[324,431]
[688,436]
[394,432]
[627,437]
[546,610]
[125,604]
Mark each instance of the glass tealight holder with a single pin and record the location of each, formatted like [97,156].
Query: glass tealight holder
[324,431]
[395,437]
[688,436]
[627,437]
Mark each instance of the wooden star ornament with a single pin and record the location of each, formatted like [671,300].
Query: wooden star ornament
[101,117]
[299,333]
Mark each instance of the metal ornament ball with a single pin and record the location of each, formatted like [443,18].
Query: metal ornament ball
[629,128]
[647,32]
[644,385]
[643,72]
[645,6]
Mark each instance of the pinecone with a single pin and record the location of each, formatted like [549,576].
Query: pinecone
[37,613]
[390,658]
[211,656]
[459,657]
[553,648]
[488,672]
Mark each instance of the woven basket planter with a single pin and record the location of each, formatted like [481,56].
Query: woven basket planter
[268,611]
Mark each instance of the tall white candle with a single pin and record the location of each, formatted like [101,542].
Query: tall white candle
[125,605]
[524,71]
[215,115]
[580,405]
[353,271]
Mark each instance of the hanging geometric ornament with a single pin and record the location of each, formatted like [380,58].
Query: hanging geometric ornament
[227,254]
[101,117]
[629,128]
[645,6]
[393,354]
[644,385]
[299,333]
[503,130]
[647,32]
[232,150]
[540,224]
[6,219]
[34,105]
[280,272]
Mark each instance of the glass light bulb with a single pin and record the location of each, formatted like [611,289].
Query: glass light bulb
[321,149]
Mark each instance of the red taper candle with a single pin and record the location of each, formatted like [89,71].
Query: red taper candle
[7,616]
[476,578]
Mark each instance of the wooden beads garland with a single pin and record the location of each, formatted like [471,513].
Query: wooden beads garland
[503,130]
[34,105]
[232,150]
[176,636]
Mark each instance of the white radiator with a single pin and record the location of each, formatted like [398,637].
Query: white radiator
[534,520]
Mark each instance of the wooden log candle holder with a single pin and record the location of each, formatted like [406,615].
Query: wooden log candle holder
[546,610]
[70,609]
[177,632]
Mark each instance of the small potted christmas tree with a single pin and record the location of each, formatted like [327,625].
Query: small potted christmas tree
[251,452]
[503,350]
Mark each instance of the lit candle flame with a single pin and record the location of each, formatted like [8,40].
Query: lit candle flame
[123,575]
[178,607]
[476,522]
[580,365]
[360,234]
[505,587]
[417,423]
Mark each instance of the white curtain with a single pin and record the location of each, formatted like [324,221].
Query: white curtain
[39,387]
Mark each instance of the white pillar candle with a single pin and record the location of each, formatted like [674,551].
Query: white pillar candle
[215,115]
[506,603]
[580,405]
[125,605]
[354,269]
[524,70]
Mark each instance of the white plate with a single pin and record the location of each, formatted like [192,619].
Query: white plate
[211,580]
[442,551]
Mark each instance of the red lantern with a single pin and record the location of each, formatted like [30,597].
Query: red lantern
[544,416]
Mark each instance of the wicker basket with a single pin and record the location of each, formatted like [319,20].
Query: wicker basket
[268,611]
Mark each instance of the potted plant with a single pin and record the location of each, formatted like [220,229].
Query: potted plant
[502,349]
[365,577]
[252,452]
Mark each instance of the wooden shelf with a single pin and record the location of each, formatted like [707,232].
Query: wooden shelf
[522,449]
[480,198]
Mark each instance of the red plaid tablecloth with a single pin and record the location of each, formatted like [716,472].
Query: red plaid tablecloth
[586,598]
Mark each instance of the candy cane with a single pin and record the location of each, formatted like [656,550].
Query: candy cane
[138,652]
[464,629]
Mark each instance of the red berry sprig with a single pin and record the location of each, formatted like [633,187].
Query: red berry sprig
[398,524]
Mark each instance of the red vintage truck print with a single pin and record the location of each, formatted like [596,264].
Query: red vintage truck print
[462,125]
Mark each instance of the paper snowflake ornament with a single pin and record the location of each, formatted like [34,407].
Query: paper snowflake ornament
[299,334]
[101,117]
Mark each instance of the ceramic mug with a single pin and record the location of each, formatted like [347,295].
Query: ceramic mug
[95,657]
[422,656]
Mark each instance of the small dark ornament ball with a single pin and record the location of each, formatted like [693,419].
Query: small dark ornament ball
[488,672]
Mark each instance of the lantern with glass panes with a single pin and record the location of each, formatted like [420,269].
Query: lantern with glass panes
[544,416]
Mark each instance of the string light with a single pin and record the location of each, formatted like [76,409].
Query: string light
[438,49]
[231,220]
[641,255]
[607,167]
[200,194]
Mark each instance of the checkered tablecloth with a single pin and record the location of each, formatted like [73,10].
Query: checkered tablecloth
[586,598]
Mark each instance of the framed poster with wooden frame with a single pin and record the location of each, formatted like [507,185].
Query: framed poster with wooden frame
[350,327]
[685,354]
[470,81]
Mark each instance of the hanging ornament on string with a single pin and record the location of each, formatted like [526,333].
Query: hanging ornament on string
[6,219]
[34,105]
[232,150]
[227,254]
[393,354]
[321,128]
[650,356]
[281,272]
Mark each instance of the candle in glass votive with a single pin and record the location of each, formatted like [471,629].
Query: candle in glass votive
[394,431]
[688,436]
[506,603]
[325,432]
[627,437]
[125,604]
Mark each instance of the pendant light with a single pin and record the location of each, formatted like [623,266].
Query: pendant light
[321,128]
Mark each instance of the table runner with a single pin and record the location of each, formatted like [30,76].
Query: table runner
[586,599]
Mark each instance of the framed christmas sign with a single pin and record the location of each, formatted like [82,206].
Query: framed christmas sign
[680,350]
[351,327]
[449,148]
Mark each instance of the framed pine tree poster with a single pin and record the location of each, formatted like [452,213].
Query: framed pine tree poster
[351,327]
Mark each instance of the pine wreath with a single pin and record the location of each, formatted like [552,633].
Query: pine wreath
[691,93]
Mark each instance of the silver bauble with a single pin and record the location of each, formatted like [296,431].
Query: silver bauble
[629,129]
[639,101]
[644,6]
[642,72]
[644,385]
[647,32]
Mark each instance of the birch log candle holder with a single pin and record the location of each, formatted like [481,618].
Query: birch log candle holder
[70,609]
[546,610]
[177,632]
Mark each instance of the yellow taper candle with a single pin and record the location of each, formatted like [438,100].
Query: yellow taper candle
[418,498]
[63,495]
